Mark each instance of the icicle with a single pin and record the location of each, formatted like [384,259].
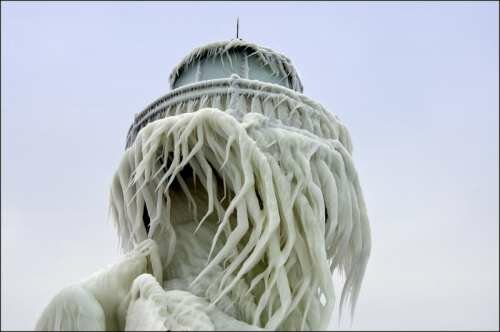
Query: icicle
[198,72]
[246,69]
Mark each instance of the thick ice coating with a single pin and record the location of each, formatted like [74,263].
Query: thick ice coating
[251,193]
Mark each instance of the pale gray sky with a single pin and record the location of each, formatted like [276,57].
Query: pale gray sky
[416,84]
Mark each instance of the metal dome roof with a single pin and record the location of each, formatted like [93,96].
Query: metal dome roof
[276,62]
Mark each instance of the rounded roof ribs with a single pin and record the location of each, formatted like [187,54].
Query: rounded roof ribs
[277,62]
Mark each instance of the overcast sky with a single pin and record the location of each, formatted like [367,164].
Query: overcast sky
[415,83]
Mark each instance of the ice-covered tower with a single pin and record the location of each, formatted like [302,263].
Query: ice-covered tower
[236,116]
[235,200]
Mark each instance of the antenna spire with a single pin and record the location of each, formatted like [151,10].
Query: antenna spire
[238,28]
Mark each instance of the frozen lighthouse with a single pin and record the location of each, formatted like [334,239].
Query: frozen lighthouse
[235,201]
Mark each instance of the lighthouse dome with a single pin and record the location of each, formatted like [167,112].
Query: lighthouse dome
[236,56]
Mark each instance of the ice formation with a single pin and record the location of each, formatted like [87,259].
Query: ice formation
[244,193]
